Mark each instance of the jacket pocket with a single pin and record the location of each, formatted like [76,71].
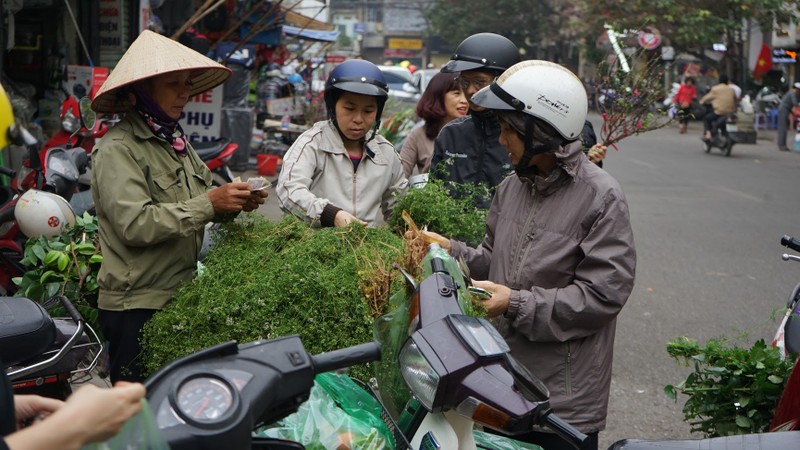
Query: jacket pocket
[167,188]
[200,184]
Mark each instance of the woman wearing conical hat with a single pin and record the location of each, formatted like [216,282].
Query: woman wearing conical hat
[152,192]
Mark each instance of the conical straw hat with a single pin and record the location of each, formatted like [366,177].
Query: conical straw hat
[153,54]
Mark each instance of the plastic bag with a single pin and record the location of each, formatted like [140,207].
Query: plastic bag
[139,432]
[673,111]
[495,442]
[320,423]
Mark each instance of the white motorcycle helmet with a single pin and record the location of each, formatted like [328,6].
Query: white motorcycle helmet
[541,89]
[41,213]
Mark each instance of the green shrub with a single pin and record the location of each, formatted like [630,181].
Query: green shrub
[731,390]
[265,279]
[65,264]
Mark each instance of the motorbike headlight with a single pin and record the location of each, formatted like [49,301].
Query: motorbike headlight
[70,123]
[420,376]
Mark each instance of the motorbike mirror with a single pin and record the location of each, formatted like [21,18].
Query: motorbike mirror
[88,116]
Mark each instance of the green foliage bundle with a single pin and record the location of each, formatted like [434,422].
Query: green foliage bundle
[731,390]
[446,208]
[265,279]
[66,264]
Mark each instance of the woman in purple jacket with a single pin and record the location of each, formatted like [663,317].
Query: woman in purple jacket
[558,255]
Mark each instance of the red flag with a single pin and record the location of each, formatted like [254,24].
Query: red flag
[763,63]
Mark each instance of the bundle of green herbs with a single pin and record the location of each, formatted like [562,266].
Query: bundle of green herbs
[263,280]
[445,208]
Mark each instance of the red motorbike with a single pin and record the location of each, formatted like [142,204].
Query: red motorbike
[787,339]
[216,155]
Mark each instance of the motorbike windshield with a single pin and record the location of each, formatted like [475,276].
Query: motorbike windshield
[59,163]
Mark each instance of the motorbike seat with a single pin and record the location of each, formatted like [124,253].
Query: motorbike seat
[765,441]
[209,150]
[27,330]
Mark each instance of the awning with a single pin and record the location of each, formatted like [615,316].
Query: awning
[312,35]
[300,21]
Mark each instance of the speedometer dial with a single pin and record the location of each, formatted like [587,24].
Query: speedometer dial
[204,399]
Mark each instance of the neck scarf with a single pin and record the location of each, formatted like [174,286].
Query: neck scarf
[158,121]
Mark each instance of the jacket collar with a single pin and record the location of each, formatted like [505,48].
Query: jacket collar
[570,157]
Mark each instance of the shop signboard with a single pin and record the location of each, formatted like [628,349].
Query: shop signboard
[202,117]
[90,78]
[784,55]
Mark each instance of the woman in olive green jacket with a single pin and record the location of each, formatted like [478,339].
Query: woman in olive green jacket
[152,192]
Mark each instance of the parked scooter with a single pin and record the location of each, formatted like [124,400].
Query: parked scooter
[44,355]
[60,169]
[216,155]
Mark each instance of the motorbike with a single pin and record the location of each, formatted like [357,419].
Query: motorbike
[216,154]
[787,340]
[63,170]
[723,140]
[44,355]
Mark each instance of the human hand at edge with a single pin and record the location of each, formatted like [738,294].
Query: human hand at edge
[256,198]
[498,303]
[230,197]
[99,413]
[597,153]
[91,414]
[27,407]
[343,218]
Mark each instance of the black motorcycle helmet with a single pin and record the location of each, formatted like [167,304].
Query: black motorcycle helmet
[359,77]
[483,51]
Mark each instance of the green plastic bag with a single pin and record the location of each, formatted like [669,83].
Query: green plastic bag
[495,442]
[140,432]
[346,419]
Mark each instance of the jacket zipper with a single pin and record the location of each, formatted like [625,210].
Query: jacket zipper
[568,374]
[521,250]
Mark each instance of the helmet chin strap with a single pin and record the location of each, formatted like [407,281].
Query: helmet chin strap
[521,168]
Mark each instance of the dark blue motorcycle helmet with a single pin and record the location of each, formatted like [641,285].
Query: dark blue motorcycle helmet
[359,77]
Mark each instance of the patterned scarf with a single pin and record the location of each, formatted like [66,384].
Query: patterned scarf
[158,121]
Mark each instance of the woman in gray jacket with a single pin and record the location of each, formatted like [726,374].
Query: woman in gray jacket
[341,170]
[558,255]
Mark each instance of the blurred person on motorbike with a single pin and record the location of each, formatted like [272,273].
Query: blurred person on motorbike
[442,102]
[788,102]
[341,170]
[152,192]
[558,255]
[723,102]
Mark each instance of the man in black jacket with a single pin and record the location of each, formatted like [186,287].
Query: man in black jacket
[467,149]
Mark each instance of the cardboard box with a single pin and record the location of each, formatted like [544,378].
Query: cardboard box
[89,78]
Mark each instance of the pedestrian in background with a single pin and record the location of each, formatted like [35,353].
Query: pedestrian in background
[788,102]
[442,102]
[684,98]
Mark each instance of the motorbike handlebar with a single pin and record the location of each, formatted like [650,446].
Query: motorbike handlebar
[346,357]
[792,243]
[8,172]
[566,431]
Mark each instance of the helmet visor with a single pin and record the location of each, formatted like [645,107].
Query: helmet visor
[361,86]
[457,65]
[494,97]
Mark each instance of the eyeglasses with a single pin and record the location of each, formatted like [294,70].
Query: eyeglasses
[478,83]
